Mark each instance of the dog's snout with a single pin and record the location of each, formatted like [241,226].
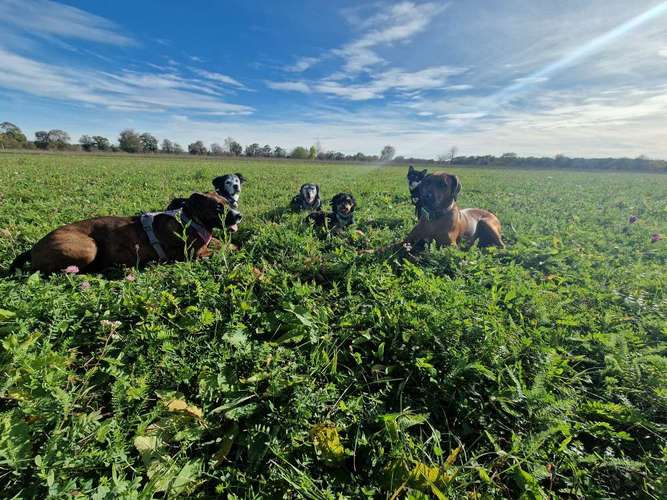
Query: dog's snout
[233,216]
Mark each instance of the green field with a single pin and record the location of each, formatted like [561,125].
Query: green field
[299,368]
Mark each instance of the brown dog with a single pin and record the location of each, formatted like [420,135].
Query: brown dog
[446,223]
[96,244]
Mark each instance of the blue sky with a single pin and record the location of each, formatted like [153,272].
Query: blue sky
[537,77]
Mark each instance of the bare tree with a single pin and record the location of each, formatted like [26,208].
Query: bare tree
[58,138]
[452,153]
[232,147]
[167,146]
[387,153]
[216,149]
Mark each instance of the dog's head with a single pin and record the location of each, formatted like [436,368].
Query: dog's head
[439,191]
[229,185]
[415,177]
[310,193]
[343,204]
[212,210]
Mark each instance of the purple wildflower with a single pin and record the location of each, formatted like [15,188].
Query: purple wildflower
[71,270]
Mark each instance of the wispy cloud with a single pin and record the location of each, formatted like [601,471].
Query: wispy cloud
[124,90]
[303,64]
[377,86]
[398,23]
[218,77]
[293,86]
[354,80]
[51,19]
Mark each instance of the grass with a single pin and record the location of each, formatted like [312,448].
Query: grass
[296,367]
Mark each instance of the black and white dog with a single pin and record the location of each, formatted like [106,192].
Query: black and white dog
[414,179]
[308,198]
[228,186]
[341,215]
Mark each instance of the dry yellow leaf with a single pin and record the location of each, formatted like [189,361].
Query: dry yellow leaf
[180,406]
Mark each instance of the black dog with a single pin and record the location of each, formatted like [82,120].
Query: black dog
[308,198]
[228,186]
[414,179]
[341,216]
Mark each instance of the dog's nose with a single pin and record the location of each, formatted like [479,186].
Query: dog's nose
[236,215]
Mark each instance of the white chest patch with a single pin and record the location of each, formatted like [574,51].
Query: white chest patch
[470,225]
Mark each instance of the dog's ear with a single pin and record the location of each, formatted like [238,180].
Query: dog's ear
[455,184]
[425,171]
[241,178]
[317,189]
[219,182]
[335,200]
[411,168]
[354,202]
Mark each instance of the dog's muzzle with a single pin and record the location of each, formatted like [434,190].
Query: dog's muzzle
[232,220]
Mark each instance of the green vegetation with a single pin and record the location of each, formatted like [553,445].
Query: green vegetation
[297,367]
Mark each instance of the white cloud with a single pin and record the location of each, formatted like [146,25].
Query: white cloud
[378,86]
[122,90]
[47,18]
[392,24]
[293,86]
[458,87]
[662,52]
[303,64]
[397,24]
[218,77]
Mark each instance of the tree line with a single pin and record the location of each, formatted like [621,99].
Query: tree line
[130,141]
[560,162]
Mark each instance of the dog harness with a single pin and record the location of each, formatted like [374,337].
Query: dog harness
[148,218]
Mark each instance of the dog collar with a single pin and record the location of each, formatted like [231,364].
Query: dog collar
[344,220]
[232,202]
[317,203]
[436,214]
[204,234]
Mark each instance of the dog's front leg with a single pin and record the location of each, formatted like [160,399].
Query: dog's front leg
[215,244]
